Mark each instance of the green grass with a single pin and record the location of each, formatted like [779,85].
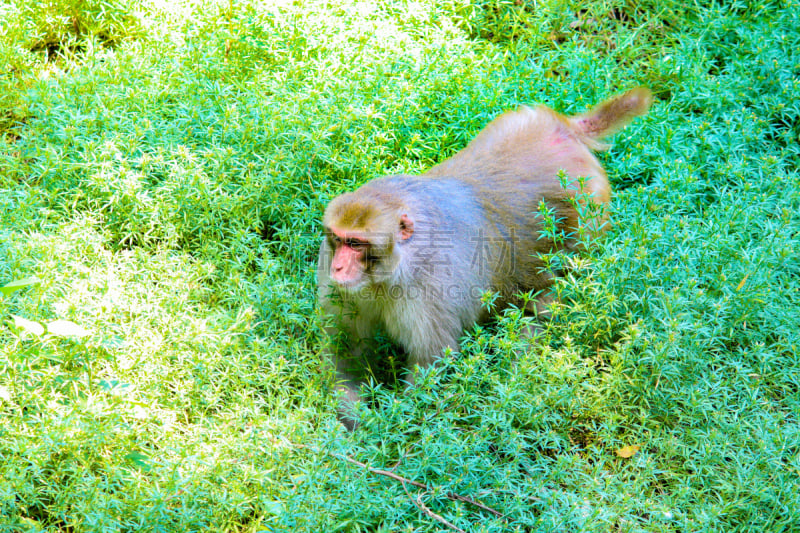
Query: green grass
[162,174]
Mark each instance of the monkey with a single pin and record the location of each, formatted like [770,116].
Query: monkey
[413,255]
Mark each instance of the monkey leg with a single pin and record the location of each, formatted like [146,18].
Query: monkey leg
[347,392]
[424,354]
[539,308]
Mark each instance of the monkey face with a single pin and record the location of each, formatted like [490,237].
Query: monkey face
[350,258]
[363,255]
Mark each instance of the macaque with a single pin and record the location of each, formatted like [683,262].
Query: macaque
[413,255]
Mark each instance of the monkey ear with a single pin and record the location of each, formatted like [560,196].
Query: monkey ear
[406,227]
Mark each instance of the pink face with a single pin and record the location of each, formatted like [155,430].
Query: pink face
[349,257]
[354,251]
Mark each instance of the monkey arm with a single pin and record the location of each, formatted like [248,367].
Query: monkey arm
[427,355]
[345,351]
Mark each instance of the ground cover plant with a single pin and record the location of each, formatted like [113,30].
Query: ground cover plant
[163,167]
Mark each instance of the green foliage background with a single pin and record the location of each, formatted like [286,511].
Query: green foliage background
[163,167]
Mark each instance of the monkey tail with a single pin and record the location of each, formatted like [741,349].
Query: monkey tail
[607,118]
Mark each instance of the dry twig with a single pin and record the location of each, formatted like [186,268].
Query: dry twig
[401,479]
[422,507]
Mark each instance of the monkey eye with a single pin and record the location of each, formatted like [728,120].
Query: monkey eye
[356,244]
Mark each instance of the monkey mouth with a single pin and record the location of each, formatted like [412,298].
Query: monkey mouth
[349,285]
